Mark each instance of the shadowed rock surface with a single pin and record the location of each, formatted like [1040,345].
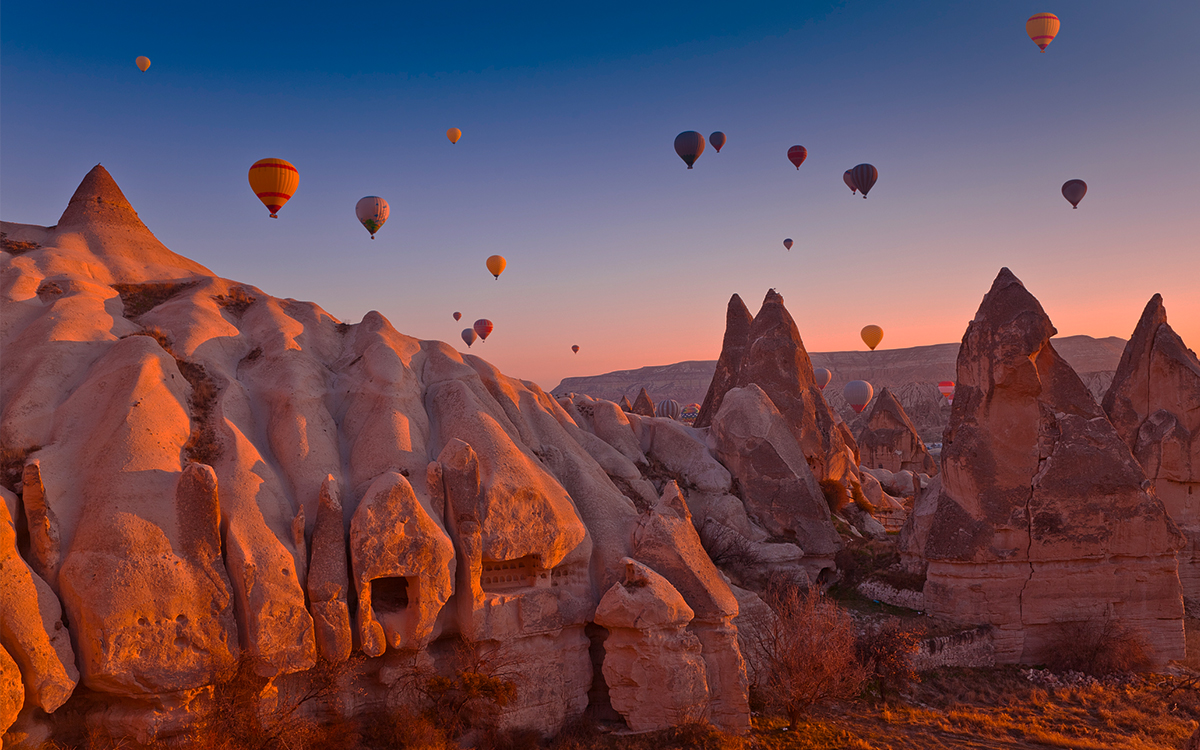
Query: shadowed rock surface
[889,440]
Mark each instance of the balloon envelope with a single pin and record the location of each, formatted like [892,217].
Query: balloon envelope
[688,414]
[454,134]
[143,63]
[1042,28]
[689,145]
[496,264]
[274,181]
[858,394]
[946,388]
[669,409]
[458,316]
[823,376]
[848,178]
[372,211]
[483,327]
[717,140]
[864,178]
[788,243]
[469,336]
[575,348]
[871,336]
[797,155]
[1073,191]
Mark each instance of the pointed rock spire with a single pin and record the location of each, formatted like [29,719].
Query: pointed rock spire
[98,201]
[889,440]
[737,340]
[643,405]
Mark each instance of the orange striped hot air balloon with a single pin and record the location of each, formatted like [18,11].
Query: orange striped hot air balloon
[1042,28]
[274,181]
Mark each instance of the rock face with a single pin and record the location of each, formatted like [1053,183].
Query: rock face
[771,355]
[212,477]
[1042,517]
[642,405]
[1154,403]
[652,664]
[889,440]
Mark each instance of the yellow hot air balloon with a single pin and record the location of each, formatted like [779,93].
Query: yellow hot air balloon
[274,181]
[872,335]
[496,265]
[143,63]
[1042,28]
[454,134]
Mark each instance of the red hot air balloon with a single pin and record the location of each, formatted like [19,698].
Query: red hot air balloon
[848,178]
[946,388]
[1073,191]
[575,348]
[717,140]
[689,145]
[858,394]
[797,155]
[823,377]
[864,178]
[788,243]
[469,336]
[483,327]
[458,316]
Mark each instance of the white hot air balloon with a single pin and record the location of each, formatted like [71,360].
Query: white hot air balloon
[858,394]
[372,211]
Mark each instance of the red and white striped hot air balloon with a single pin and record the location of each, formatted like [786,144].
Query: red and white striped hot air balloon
[858,394]
[946,388]
[823,376]
[483,327]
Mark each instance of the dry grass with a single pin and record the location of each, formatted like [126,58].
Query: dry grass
[12,465]
[836,495]
[237,301]
[139,299]
[16,247]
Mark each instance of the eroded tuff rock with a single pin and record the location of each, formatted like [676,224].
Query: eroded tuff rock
[1041,517]
[1154,403]
[771,355]
[888,440]
[642,405]
[12,691]
[329,579]
[652,664]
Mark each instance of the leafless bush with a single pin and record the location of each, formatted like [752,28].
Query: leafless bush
[1097,648]
[16,247]
[835,494]
[237,301]
[139,299]
[808,652]
[885,650]
[728,549]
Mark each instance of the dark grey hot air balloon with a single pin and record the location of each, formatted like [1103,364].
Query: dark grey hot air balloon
[469,336]
[717,140]
[858,394]
[689,145]
[1073,191]
[788,243]
[669,409]
[864,178]
[823,376]
[848,178]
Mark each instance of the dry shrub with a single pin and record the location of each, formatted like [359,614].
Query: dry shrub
[886,650]
[237,301]
[202,445]
[728,549]
[12,465]
[139,299]
[835,494]
[861,559]
[158,335]
[860,499]
[1097,648]
[807,651]
[16,247]
[584,734]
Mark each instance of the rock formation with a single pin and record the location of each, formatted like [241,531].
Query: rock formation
[213,476]
[642,405]
[1042,516]
[625,405]
[736,342]
[889,441]
[1154,403]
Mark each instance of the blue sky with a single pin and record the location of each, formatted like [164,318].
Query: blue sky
[568,113]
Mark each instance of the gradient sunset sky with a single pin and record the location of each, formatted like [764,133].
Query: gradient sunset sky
[566,165]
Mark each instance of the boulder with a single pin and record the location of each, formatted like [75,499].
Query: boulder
[625,405]
[652,664]
[642,405]
[1154,404]
[1043,516]
[888,439]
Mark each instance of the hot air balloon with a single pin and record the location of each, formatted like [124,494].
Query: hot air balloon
[575,348]
[872,335]
[458,316]
[1042,28]
[858,394]
[864,178]
[688,414]
[143,63]
[372,211]
[669,409]
[274,181]
[454,134]
[797,155]
[848,178]
[946,388]
[469,336]
[483,327]
[823,376]
[689,145]
[788,243]
[1073,191]
[717,140]
[496,264]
